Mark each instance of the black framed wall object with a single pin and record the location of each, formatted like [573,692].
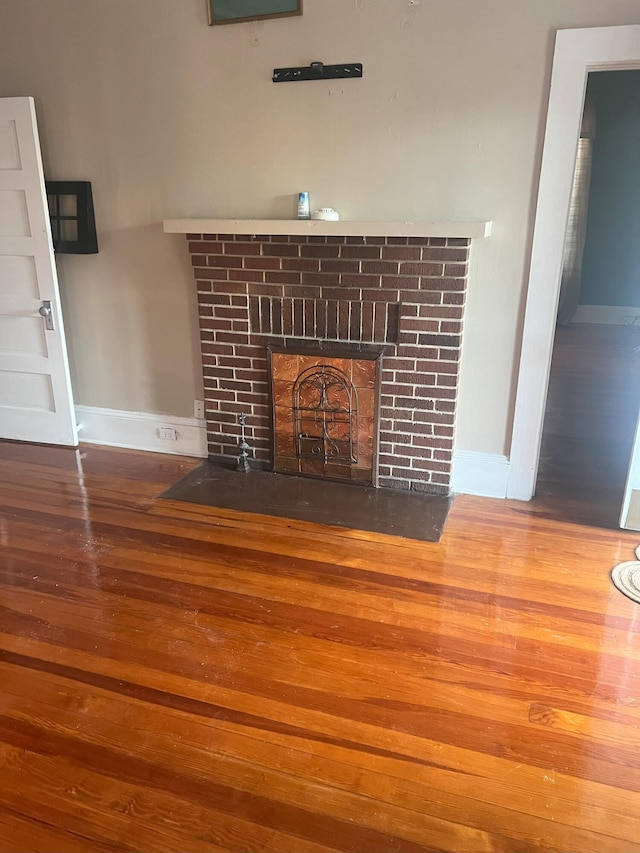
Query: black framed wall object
[234,11]
[73,224]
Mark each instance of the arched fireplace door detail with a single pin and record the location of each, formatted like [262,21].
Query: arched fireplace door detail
[325,412]
[324,404]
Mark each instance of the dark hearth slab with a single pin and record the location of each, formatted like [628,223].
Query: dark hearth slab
[397,513]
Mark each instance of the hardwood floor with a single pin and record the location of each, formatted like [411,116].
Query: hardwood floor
[179,678]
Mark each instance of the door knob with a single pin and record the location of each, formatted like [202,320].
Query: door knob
[45,311]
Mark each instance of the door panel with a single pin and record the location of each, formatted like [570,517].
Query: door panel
[22,336]
[9,150]
[14,217]
[35,389]
[19,275]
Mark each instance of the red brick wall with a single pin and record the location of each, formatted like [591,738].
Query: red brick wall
[404,294]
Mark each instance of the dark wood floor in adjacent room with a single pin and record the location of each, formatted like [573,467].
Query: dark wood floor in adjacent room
[590,422]
[180,678]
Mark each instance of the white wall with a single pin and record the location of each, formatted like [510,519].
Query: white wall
[171,118]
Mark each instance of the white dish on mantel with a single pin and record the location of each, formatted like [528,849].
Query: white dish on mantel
[344,227]
[326,214]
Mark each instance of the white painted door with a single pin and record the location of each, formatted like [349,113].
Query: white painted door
[36,402]
[630,515]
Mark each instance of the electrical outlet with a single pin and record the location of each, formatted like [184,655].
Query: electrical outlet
[167,433]
[198,409]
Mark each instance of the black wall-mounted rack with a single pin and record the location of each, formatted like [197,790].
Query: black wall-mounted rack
[317,71]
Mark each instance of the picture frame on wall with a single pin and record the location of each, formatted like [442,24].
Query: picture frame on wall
[235,11]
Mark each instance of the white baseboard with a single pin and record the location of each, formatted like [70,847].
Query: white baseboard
[483,474]
[608,315]
[473,473]
[139,431]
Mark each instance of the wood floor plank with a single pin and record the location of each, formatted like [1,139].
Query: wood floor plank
[425,789]
[25,834]
[105,806]
[315,724]
[309,662]
[182,677]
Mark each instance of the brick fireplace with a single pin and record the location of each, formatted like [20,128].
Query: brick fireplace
[396,298]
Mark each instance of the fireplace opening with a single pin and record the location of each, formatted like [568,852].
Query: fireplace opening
[325,415]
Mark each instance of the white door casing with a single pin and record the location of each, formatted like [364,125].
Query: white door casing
[577,52]
[36,402]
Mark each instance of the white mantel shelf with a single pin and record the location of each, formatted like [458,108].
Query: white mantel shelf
[342,228]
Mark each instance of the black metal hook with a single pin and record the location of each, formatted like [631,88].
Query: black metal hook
[317,71]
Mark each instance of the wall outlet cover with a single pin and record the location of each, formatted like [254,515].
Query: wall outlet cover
[198,409]
[167,433]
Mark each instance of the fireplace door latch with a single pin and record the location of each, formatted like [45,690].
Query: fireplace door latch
[317,71]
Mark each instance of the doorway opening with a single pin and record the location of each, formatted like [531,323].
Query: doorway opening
[577,52]
[594,393]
